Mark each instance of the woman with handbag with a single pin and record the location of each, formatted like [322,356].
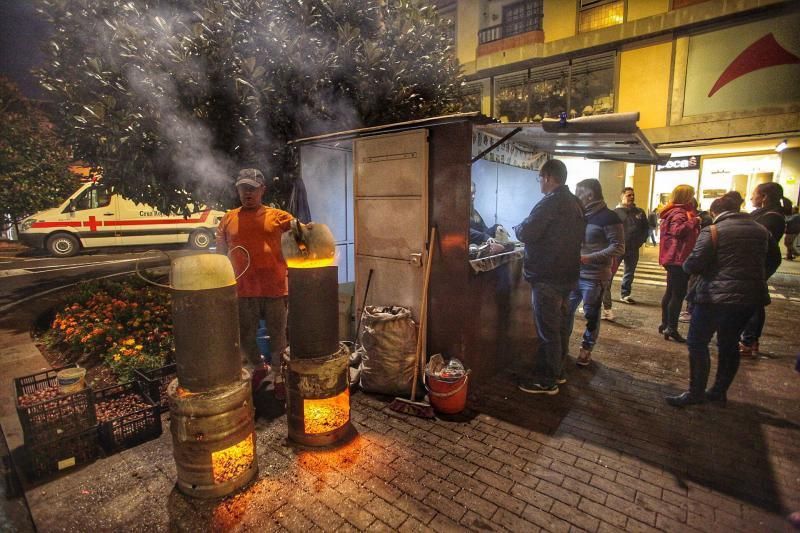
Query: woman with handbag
[679,228]
[733,258]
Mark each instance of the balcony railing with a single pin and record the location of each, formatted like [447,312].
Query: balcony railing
[501,31]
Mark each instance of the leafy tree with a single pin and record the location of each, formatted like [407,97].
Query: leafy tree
[169,97]
[34,172]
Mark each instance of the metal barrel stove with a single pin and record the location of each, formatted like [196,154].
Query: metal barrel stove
[211,402]
[316,365]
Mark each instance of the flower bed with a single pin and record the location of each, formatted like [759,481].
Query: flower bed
[125,325]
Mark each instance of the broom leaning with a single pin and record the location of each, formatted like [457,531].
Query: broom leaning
[410,407]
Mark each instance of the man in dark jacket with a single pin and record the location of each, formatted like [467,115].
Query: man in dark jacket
[733,259]
[603,244]
[636,227]
[552,234]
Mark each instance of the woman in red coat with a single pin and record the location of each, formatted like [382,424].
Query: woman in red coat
[679,228]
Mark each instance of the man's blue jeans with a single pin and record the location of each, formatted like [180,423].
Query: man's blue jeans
[551,315]
[590,291]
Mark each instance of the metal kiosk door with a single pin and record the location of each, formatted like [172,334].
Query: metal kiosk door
[391,216]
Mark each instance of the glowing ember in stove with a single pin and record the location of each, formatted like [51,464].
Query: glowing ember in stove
[231,462]
[322,416]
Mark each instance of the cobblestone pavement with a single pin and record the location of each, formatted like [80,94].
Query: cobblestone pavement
[606,454]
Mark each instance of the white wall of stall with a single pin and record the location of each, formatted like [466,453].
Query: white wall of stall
[504,194]
[328,176]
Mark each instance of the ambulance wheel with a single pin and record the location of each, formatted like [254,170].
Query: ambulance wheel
[62,245]
[200,240]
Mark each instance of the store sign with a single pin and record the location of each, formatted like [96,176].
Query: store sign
[689,162]
[743,68]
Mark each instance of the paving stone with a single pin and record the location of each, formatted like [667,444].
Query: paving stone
[443,524]
[545,520]
[613,488]
[532,497]
[476,504]
[494,480]
[504,500]
[467,483]
[387,513]
[445,506]
[475,522]
[631,509]
[587,491]
[558,493]
[575,517]
[443,487]
[606,514]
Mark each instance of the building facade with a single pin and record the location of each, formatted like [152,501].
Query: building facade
[716,82]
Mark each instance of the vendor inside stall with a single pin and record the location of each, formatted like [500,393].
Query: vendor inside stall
[485,240]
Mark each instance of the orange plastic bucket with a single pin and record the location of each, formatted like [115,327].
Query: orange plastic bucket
[447,397]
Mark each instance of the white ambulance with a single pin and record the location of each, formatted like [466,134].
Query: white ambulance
[95,216]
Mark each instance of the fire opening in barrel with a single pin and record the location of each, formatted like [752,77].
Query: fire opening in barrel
[234,461]
[324,416]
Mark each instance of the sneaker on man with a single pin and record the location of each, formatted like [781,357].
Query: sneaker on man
[627,299]
[532,387]
[584,357]
[607,314]
[685,317]
[561,380]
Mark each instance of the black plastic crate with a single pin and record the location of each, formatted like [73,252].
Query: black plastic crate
[45,458]
[129,429]
[155,383]
[49,419]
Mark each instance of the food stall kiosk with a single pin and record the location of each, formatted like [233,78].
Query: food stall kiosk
[381,189]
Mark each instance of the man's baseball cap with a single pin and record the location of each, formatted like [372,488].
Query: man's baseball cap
[250,176]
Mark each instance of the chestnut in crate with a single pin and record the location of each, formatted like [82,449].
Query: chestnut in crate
[45,413]
[126,416]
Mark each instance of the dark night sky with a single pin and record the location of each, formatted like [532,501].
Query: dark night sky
[22,33]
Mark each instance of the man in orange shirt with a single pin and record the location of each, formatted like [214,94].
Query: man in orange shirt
[251,237]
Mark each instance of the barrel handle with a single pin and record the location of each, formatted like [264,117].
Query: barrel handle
[151,282]
[445,394]
[245,253]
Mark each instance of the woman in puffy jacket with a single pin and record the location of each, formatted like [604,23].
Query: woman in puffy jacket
[733,259]
[771,210]
[679,228]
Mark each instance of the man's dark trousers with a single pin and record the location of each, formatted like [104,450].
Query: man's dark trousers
[551,315]
[631,259]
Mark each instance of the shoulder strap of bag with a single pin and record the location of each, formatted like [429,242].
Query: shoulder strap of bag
[714,236]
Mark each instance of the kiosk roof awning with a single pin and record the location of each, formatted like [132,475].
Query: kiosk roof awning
[614,137]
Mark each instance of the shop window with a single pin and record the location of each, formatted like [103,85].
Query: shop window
[519,17]
[471,94]
[584,86]
[592,86]
[596,14]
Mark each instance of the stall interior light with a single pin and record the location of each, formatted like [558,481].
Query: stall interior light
[781,146]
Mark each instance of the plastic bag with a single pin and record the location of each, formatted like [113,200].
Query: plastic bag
[451,370]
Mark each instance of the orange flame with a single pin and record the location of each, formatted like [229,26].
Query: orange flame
[315,262]
[232,462]
[322,416]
